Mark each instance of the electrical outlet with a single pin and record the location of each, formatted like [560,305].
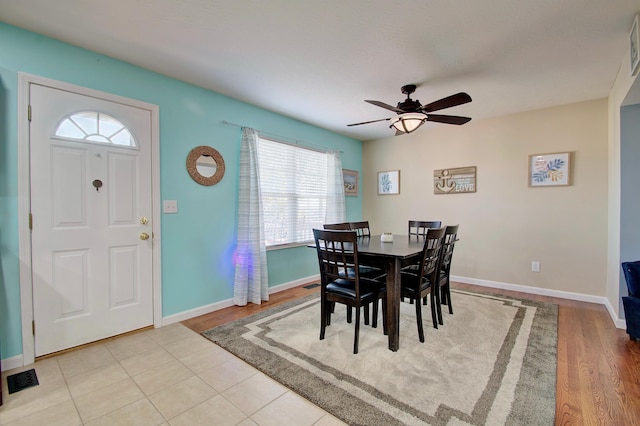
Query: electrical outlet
[535,266]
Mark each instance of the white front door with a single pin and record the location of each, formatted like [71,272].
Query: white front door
[91,205]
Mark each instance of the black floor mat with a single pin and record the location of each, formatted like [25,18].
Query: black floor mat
[312,285]
[23,380]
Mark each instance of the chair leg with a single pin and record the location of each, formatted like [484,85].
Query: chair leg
[357,332]
[438,305]
[374,318]
[446,289]
[366,314]
[419,320]
[384,315]
[323,318]
[434,314]
[349,314]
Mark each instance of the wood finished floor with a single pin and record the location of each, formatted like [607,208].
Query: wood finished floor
[598,379]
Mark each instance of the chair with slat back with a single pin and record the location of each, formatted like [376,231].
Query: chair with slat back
[344,226]
[418,284]
[341,282]
[420,227]
[362,228]
[363,231]
[364,270]
[450,238]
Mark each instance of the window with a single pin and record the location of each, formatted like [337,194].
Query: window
[96,127]
[293,183]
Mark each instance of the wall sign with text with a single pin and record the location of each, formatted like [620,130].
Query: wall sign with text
[460,180]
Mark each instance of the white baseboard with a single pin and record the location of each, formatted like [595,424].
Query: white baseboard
[192,313]
[601,300]
[296,283]
[619,322]
[16,361]
[11,363]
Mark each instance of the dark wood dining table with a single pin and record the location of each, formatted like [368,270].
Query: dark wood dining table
[392,257]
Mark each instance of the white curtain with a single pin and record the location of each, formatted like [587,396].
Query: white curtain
[335,189]
[251,280]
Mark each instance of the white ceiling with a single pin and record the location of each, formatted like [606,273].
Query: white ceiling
[318,60]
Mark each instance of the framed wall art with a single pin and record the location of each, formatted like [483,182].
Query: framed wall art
[389,182]
[350,179]
[550,169]
[460,180]
[634,45]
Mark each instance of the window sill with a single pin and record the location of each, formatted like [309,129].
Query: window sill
[289,245]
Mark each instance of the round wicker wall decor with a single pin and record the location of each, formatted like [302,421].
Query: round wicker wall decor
[192,160]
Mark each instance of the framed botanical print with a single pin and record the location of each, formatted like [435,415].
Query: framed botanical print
[550,169]
[389,182]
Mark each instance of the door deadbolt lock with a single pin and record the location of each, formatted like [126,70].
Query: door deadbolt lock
[144,236]
[144,220]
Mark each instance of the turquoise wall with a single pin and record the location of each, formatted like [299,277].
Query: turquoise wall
[197,242]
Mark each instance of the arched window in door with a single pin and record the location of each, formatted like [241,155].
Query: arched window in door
[95,127]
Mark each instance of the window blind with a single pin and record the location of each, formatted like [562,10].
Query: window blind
[293,185]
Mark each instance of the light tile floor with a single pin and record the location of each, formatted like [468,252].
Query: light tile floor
[165,376]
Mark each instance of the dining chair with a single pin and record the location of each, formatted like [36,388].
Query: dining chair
[365,271]
[419,227]
[343,226]
[450,238]
[362,228]
[340,281]
[417,285]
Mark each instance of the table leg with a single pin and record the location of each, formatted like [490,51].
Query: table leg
[393,304]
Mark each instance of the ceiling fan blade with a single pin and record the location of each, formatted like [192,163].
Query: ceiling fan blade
[399,133]
[448,102]
[385,106]
[367,122]
[448,119]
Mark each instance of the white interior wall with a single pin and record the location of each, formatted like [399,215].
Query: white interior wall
[625,91]
[506,225]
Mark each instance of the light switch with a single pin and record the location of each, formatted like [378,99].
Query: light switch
[170,206]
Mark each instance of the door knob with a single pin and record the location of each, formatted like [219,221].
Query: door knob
[144,236]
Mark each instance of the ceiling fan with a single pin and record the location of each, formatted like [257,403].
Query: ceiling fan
[412,114]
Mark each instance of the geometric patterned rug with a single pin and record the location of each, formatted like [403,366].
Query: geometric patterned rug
[493,361]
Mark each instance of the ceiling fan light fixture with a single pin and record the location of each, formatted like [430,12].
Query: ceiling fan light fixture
[408,122]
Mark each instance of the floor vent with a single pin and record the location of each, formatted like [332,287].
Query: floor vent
[312,286]
[26,379]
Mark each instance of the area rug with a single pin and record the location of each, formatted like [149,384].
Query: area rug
[493,362]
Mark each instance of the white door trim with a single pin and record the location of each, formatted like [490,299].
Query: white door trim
[24,186]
